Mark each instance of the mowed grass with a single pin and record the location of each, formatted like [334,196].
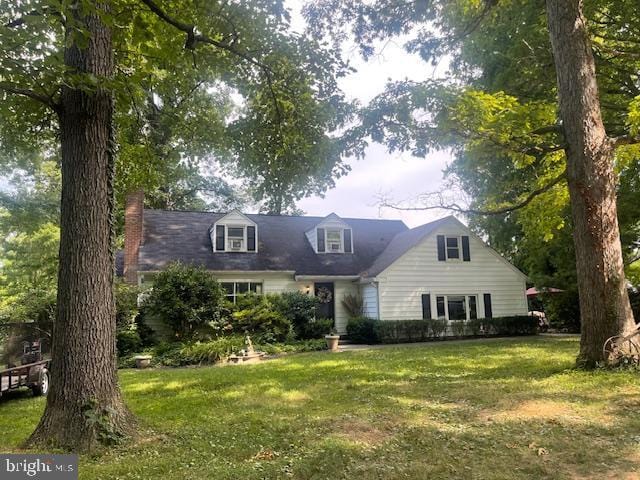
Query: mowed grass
[486,409]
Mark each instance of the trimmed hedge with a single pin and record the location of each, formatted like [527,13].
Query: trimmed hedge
[367,330]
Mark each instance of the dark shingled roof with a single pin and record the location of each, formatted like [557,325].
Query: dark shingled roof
[400,244]
[282,244]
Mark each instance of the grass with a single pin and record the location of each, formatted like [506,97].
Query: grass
[486,409]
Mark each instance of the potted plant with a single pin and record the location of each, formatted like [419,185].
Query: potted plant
[332,339]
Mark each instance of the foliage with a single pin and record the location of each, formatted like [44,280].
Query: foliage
[361,330]
[300,310]
[214,351]
[28,277]
[317,328]
[188,299]
[126,296]
[458,328]
[563,310]
[259,315]
[353,304]
[366,330]
[128,341]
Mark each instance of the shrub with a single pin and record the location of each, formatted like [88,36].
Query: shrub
[563,310]
[128,341]
[475,326]
[458,328]
[300,310]
[258,315]
[353,304]
[315,329]
[189,300]
[362,329]
[126,297]
[437,327]
[512,325]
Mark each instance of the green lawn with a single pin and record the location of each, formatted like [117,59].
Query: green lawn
[492,409]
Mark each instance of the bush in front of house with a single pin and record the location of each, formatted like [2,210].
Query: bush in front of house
[259,315]
[300,310]
[367,330]
[512,325]
[188,300]
[362,330]
[128,341]
[317,328]
[179,354]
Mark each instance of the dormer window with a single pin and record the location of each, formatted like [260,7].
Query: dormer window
[331,235]
[234,233]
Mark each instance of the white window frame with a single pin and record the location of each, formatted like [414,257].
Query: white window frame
[340,232]
[446,305]
[459,248]
[228,239]
[326,239]
[233,296]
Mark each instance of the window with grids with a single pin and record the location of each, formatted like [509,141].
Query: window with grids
[235,289]
[457,307]
[334,240]
[453,248]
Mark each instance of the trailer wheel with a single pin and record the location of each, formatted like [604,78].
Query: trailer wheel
[42,387]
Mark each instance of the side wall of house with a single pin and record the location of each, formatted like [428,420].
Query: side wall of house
[419,272]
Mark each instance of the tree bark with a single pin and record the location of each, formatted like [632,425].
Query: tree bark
[604,302]
[84,405]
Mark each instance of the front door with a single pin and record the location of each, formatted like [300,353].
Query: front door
[326,300]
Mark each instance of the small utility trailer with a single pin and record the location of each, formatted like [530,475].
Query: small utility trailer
[32,373]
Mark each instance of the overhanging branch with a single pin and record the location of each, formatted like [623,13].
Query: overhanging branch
[25,92]
[454,207]
[193,38]
[625,140]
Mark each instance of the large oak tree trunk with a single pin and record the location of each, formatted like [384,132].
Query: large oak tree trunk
[604,302]
[84,404]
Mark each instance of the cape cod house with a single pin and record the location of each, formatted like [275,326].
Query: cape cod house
[437,270]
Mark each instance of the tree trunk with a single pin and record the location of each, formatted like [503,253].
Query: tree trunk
[604,302]
[84,405]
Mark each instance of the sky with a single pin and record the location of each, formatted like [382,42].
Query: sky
[397,176]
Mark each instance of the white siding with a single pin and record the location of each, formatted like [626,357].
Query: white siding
[418,271]
[370,300]
[342,288]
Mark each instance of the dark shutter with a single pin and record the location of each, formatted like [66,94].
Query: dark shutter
[440,307]
[320,240]
[251,239]
[347,240]
[426,306]
[219,238]
[488,311]
[466,255]
[441,251]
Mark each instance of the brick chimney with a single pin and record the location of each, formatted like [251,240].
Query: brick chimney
[133,212]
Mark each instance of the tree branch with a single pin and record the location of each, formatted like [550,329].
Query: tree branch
[193,38]
[471,211]
[625,140]
[25,92]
